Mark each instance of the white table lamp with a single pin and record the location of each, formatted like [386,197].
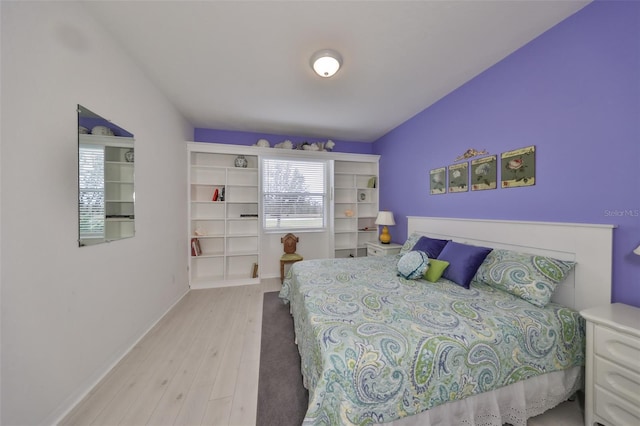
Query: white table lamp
[637,251]
[385,219]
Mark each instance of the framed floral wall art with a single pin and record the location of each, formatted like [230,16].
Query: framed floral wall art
[518,167]
[459,177]
[438,181]
[484,173]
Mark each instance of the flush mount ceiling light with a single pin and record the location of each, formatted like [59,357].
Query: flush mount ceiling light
[326,62]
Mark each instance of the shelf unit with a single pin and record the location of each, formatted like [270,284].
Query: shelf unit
[119,188]
[119,195]
[226,226]
[355,206]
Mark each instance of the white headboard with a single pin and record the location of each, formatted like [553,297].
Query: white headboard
[590,246]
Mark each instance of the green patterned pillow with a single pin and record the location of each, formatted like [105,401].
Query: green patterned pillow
[529,277]
[411,241]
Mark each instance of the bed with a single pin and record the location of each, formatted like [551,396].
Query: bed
[379,348]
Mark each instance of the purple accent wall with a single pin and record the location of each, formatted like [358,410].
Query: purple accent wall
[574,93]
[249,138]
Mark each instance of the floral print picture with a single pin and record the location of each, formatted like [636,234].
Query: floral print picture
[459,177]
[438,181]
[484,173]
[519,167]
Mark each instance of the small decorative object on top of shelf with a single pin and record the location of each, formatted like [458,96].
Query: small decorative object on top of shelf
[128,156]
[284,145]
[240,161]
[102,131]
[362,196]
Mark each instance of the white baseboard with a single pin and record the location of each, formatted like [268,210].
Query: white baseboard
[73,400]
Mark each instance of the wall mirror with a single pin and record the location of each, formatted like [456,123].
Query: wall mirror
[106,194]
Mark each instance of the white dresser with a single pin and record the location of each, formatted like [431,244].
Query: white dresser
[613,365]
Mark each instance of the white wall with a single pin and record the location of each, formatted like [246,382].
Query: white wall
[311,245]
[67,312]
[0,225]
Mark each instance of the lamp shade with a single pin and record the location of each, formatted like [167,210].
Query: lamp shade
[637,251]
[326,62]
[385,218]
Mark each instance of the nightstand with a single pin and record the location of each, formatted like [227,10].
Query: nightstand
[612,368]
[379,249]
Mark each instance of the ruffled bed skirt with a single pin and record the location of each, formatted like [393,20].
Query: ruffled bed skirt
[512,404]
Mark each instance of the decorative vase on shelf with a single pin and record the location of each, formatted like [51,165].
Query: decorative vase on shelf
[240,161]
[128,156]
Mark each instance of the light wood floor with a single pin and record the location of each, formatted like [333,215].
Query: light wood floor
[199,366]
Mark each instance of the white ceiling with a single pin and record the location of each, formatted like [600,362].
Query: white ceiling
[244,65]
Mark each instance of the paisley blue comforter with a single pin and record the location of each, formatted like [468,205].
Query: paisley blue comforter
[376,347]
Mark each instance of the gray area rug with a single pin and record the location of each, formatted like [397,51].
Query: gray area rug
[282,399]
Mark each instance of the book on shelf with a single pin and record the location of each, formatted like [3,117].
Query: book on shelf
[195,247]
[215,195]
[254,271]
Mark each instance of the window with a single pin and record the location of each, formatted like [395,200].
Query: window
[294,194]
[91,185]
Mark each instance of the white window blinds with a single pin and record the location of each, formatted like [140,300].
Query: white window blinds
[91,191]
[294,194]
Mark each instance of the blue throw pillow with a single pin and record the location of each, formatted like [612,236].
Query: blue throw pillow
[412,265]
[431,246]
[464,260]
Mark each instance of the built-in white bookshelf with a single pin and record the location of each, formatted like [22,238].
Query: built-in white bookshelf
[115,178]
[355,206]
[229,231]
[223,218]
[119,192]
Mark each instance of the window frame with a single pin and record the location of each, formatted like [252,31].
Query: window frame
[91,232]
[326,194]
